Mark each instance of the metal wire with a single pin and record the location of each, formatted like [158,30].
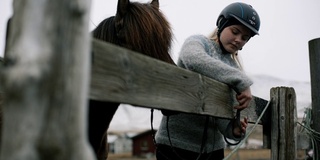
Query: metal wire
[306,129]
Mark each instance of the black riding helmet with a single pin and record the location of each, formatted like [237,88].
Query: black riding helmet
[241,12]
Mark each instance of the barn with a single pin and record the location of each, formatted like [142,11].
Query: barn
[143,145]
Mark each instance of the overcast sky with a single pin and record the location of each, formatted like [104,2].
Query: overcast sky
[281,49]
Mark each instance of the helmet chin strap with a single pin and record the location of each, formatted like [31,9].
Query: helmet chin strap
[221,46]
[222,24]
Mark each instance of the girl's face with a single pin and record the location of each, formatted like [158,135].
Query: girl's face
[234,37]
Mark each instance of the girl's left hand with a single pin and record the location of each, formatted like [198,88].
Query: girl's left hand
[238,131]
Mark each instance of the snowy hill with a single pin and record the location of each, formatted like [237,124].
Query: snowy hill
[263,84]
[128,118]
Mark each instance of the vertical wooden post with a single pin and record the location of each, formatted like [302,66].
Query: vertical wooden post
[283,127]
[314,56]
[1,100]
[1,80]
[1,113]
[46,81]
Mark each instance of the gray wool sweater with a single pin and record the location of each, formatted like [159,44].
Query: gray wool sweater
[204,56]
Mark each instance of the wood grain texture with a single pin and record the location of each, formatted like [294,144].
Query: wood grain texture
[284,130]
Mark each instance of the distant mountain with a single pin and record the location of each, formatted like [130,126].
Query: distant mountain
[129,118]
[263,84]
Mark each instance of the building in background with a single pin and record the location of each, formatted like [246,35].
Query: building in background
[143,144]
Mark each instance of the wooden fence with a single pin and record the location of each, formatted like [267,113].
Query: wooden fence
[132,78]
[120,75]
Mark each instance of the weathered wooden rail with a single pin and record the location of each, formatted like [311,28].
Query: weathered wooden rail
[121,75]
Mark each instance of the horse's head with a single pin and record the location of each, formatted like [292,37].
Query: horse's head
[139,27]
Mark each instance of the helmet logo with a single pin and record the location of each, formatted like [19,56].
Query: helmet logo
[252,22]
[253,19]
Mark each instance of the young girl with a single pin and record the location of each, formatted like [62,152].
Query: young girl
[189,136]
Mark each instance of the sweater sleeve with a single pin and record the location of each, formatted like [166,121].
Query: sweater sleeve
[195,56]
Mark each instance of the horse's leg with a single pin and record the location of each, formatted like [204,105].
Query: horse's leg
[100,116]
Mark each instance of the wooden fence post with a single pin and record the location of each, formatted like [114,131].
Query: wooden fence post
[283,126]
[314,56]
[1,102]
[1,115]
[46,81]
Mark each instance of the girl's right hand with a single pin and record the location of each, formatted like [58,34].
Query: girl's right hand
[244,99]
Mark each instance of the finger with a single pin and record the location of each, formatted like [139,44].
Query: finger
[243,98]
[244,124]
[243,128]
[241,106]
[241,101]
[245,104]
[246,120]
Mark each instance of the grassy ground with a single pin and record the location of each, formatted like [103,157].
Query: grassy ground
[242,154]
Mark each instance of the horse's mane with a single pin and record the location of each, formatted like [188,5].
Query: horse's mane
[142,28]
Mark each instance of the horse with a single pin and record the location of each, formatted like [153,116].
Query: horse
[140,27]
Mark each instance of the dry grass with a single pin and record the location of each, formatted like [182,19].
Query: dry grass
[126,156]
[242,154]
[249,154]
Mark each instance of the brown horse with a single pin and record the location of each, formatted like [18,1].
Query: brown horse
[140,27]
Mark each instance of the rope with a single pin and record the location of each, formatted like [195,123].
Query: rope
[247,135]
[237,118]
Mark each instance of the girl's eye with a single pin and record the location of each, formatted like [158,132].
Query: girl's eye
[235,32]
[245,38]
